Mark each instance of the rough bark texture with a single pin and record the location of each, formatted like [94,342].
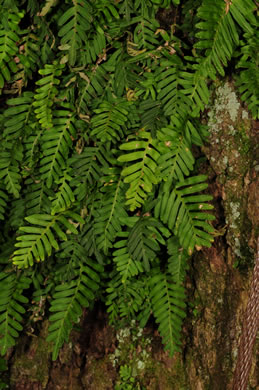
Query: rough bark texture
[218,287]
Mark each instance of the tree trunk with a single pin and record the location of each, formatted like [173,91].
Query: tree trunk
[218,288]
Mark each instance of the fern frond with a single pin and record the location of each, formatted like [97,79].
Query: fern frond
[44,98]
[143,241]
[195,88]
[95,47]
[170,91]
[17,214]
[176,159]
[126,74]
[219,35]
[125,263]
[3,199]
[68,300]
[248,79]
[182,211]
[11,307]
[151,115]
[10,172]
[37,198]
[106,9]
[8,48]
[110,210]
[88,165]
[32,146]
[125,300]
[92,84]
[73,27]
[89,242]
[29,55]
[56,143]
[144,34]
[39,240]
[243,13]
[64,197]
[168,306]
[17,116]
[110,118]
[141,173]
[177,261]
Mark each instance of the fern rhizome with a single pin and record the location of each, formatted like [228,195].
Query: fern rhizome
[100,196]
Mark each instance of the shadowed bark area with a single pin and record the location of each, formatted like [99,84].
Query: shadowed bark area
[218,287]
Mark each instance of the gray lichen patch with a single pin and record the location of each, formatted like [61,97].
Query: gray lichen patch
[225,103]
[133,349]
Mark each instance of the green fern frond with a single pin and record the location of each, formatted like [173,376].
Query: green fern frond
[37,198]
[17,116]
[194,86]
[219,35]
[106,9]
[92,84]
[170,91]
[126,74]
[44,98]
[56,143]
[64,197]
[151,115]
[11,307]
[95,47]
[89,242]
[110,210]
[10,172]
[143,241]
[9,31]
[176,159]
[141,173]
[168,306]
[243,13]
[248,79]
[73,27]
[68,300]
[182,210]
[108,122]
[88,165]
[39,240]
[125,300]
[144,35]
[17,214]
[3,199]
[125,263]
[177,261]
[29,56]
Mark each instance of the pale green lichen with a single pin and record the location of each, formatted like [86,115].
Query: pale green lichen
[226,101]
[229,100]
[131,349]
[234,214]
[244,114]
[225,161]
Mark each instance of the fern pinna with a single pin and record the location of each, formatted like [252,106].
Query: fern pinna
[100,193]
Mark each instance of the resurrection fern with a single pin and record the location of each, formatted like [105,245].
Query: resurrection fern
[71,297]
[142,168]
[101,196]
[12,303]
